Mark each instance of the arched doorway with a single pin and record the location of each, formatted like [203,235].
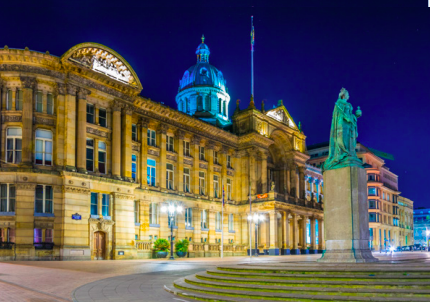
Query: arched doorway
[99,247]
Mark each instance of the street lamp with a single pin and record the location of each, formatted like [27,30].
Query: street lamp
[172,209]
[257,218]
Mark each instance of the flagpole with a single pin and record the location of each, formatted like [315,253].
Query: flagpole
[222,221]
[252,99]
[252,56]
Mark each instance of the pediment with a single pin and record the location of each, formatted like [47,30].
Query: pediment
[282,115]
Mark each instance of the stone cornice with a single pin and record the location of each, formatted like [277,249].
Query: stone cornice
[78,190]
[254,139]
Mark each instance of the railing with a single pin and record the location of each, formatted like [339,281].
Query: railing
[213,247]
[197,247]
[44,245]
[6,245]
[143,245]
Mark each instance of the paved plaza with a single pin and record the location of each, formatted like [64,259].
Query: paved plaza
[132,280]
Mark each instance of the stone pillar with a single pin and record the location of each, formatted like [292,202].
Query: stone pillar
[210,172]
[302,189]
[162,132]
[295,250]
[252,171]
[211,221]
[321,234]
[245,230]
[24,224]
[293,181]
[262,236]
[13,98]
[304,243]
[99,204]
[126,143]
[285,233]
[224,152]
[197,225]
[196,162]
[81,134]
[314,247]
[263,176]
[143,152]
[116,141]
[29,90]
[179,171]
[273,247]
[3,95]
[288,180]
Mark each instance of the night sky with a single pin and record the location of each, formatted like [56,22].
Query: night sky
[303,56]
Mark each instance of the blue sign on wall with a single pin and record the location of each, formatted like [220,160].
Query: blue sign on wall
[76,216]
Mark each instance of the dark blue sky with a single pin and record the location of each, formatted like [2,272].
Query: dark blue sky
[302,55]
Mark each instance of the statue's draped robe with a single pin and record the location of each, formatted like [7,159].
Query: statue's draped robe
[343,134]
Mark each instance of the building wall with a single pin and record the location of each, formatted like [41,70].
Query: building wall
[422,226]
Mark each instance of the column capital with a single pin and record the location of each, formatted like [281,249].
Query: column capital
[162,128]
[224,150]
[117,107]
[127,109]
[196,140]
[180,134]
[210,145]
[82,93]
[143,121]
[28,82]
[60,88]
[302,169]
[71,89]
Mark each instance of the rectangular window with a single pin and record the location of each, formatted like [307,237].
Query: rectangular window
[372,204]
[169,143]
[43,150]
[90,155]
[94,204]
[134,167]
[105,205]
[13,145]
[50,104]
[169,176]
[38,236]
[39,101]
[102,157]
[383,195]
[136,211]
[216,186]
[49,235]
[134,132]
[229,161]
[188,217]
[43,202]
[216,161]
[201,153]
[151,138]
[19,99]
[202,189]
[9,100]
[90,113]
[102,117]
[151,172]
[204,219]
[153,213]
[186,180]
[218,225]
[373,191]
[230,222]
[372,217]
[7,198]
[186,148]
[228,189]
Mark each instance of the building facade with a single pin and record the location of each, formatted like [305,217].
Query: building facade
[87,163]
[390,222]
[422,226]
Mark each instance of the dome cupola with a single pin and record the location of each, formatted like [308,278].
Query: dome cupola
[202,90]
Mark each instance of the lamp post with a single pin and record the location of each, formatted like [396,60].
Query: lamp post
[172,209]
[257,218]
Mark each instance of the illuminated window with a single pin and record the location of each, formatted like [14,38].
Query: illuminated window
[204,219]
[136,211]
[43,147]
[13,145]
[186,180]
[151,171]
[199,103]
[105,205]
[94,204]
[102,157]
[373,191]
[188,217]
[153,213]
[134,167]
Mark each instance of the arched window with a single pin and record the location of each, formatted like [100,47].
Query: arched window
[199,103]
[208,103]
[13,145]
[43,147]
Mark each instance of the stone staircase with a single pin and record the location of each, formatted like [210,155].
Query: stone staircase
[307,283]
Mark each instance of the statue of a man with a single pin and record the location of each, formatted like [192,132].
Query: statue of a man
[343,134]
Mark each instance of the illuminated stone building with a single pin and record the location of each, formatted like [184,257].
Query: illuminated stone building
[390,215]
[86,163]
[422,226]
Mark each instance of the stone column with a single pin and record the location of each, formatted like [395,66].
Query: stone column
[126,143]
[264,156]
[321,234]
[211,221]
[273,247]
[302,189]
[197,225]
[179,171]
[81,134]
[314,248]
[13,98]
[245,230]
[252,171]
[295,250]
[96,114]
[44,102]
[303,223]
[29,90]
[210,172]
[143,152]
[263,236]
[24,231]
[195,169]
[116,141]
[288,180]
[99,204]
[162,132]
[286,233]
[293,181]
[3,95]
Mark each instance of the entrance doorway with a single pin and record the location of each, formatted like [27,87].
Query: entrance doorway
[99,245]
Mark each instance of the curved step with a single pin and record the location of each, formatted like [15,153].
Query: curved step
[425,285]
[220,294]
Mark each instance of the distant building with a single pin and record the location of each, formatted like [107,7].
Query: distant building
[385,212]
[422,225]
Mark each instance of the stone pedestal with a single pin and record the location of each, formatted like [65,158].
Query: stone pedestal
[346,218]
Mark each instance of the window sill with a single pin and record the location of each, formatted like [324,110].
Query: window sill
[232,231]
[107,217]
[137,224]
[204,230]
[154,225]
[189,228]
[44,215]
[7,213]
[94,216]
[175,227]
[218,231]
